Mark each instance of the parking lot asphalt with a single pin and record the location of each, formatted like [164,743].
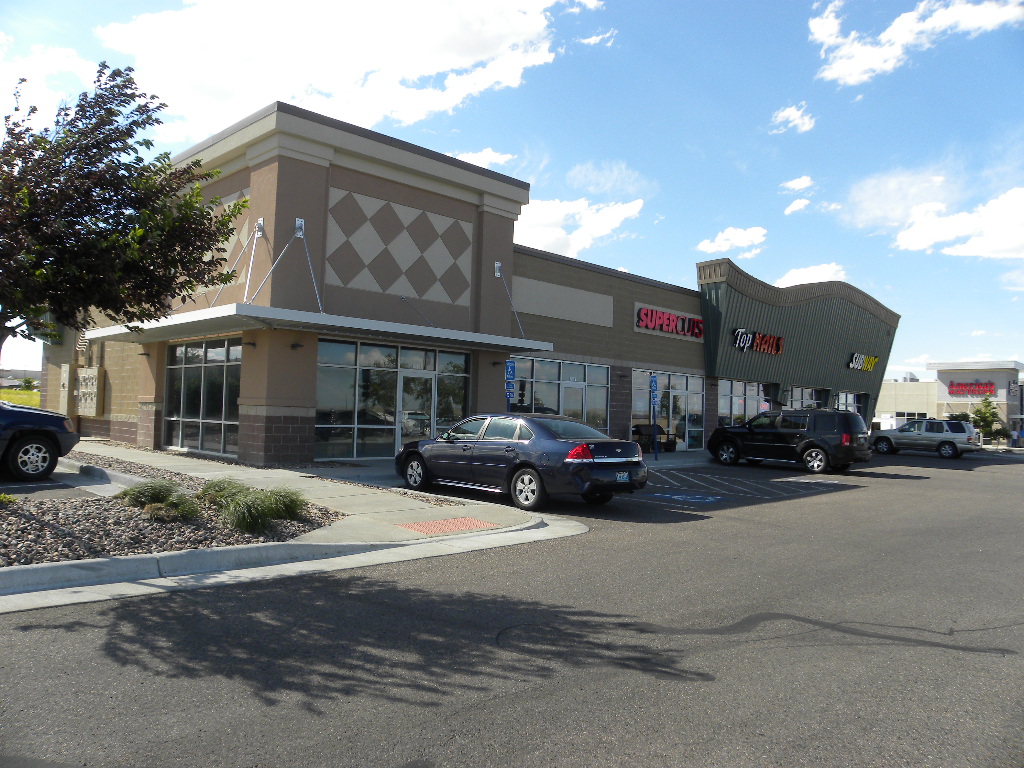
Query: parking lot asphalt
[380,524]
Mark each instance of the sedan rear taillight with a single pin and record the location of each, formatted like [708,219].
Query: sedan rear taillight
[580,453]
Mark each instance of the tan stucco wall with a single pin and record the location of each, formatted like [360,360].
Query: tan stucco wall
[570,289]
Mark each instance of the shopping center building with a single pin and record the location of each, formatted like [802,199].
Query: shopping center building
[379,297]
[958,388]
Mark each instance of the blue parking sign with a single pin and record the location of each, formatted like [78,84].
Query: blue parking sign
[510,370]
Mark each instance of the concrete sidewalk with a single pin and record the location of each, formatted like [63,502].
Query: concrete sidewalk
[381,524]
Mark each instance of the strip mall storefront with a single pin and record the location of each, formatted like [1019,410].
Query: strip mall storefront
[379,298]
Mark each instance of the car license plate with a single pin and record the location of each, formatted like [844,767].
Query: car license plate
[622,477]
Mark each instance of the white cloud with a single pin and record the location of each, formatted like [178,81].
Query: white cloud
[608,178]
[485,158]
[1013,280]
[733,237]
[798,184]
[749,254]
[817,274]
[797,205]
[994,230]
[590,5]
[978,333]
[53,75]
[606,39]
[792,117]
[887,199]
[854,58]
[568,227]
[349,61]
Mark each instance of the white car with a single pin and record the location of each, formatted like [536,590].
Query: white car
[948,438]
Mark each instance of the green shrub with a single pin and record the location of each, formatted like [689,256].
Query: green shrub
[221,490]
[250,511]
[184,505]
[148,492]
[6,498]
[287,503]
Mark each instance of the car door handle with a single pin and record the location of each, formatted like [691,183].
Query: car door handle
[467,448]
[510,449]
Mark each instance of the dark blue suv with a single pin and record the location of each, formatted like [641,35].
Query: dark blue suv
[31,440]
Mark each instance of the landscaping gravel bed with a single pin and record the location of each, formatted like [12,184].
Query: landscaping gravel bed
[51,530]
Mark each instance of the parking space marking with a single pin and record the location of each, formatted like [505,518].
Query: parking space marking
[733,486]
[710,485]
[687,497]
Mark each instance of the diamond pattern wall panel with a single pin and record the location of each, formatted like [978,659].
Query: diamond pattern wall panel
[377,245]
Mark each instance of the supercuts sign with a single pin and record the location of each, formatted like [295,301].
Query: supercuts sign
[975,388]
[648,319]
[759,342]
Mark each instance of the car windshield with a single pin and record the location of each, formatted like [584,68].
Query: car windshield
[571,430]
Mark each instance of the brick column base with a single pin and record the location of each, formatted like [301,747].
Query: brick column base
[273,435]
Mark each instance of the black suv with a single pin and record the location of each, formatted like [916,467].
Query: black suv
[31,440]
[820,438]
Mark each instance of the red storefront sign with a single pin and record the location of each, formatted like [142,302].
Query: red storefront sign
[972,388]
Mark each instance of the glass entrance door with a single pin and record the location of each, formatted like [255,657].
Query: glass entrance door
[572,401]
[417,411]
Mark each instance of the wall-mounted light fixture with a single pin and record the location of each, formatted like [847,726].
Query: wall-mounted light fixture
[297,345]
[143,354]
[249,343]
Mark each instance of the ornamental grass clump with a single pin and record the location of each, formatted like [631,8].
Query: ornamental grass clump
[250,511]
[288,503]
[221,490]
[148,492]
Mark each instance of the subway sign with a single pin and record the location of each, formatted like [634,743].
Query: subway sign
[650,319]
[861,362]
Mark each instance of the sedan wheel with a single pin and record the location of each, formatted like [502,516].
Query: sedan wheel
[32,458]
[528,489]
[948,451]
[727,453]
[415,473]
[816,460]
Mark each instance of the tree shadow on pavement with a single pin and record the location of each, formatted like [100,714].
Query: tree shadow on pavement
[320,638]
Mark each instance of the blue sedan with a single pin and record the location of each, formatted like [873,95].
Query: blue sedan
[530,456]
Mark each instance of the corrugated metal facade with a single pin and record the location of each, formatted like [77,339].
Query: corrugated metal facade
[822,327]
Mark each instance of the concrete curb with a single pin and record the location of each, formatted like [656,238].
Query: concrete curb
[108,476]
[42,577]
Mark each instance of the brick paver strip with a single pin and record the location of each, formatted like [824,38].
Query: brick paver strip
[451,525]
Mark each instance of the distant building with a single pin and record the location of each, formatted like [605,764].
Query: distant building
[958,388]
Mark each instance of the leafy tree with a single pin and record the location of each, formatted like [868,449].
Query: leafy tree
[985,416]
[962,416]
[89,225]
[28,383]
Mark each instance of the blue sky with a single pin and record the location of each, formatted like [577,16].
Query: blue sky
[880,142]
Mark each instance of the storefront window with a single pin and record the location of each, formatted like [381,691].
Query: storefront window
[577,390]
[680,409]
[201,401]
[739,401]
[852,401]
[418,359]
[364,396]
[806,397]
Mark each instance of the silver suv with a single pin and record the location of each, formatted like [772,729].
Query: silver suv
[948,438]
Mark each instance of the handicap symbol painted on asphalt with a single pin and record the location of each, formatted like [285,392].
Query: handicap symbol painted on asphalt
[692,498]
